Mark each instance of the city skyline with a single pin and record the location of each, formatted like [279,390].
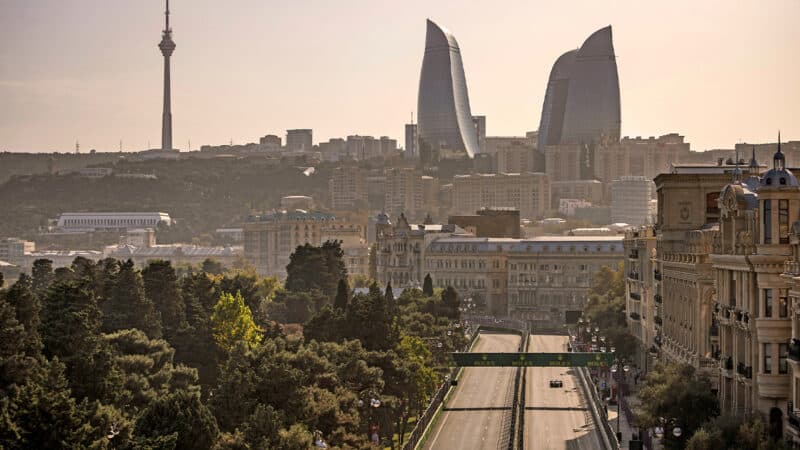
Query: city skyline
[271,74]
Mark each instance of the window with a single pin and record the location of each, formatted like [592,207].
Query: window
[767,358]
[768,221]
[783,356]
[767,302]
[783,305]
[783,221]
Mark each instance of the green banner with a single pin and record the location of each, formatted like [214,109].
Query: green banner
[573,359]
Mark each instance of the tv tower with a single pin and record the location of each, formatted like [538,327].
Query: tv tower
[167,46]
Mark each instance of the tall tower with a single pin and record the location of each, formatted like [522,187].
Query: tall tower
[167,46]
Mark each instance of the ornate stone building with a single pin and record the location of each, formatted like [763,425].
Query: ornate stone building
[642,305]
[549,277]
[753,283]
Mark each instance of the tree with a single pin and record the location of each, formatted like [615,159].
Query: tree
[451,302]
[672,390]
[146,368]
[43,276]
[372,271]
[316,268]
[342,295]
[232,322]
[71,331]
[181,414]
[389,293]
[27,307]
[126,305]
[427,286]
[161,287]
[212,267]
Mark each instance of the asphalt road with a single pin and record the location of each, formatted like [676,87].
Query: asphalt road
[556,418]
[478,414]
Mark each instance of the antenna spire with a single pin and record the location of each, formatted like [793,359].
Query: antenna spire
[166,16]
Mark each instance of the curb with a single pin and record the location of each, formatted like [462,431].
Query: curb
[590,399]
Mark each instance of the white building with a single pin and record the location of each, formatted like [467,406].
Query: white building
[91,221]
[567,206]
[11,249]
[631,200]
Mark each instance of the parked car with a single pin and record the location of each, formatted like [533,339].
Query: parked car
[556,383]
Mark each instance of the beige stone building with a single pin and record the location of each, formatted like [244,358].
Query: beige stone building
[476,267]
[549,277]
[513,154]
[754,279]
[642,305]
[404,192]
[348,188]
[402,247]
[592,191]
[270,239]
[686,230]
[527,192]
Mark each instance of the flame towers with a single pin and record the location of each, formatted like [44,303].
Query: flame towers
[445,126]
[581,104]
[167,46]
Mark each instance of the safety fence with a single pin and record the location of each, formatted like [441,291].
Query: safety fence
[484,323]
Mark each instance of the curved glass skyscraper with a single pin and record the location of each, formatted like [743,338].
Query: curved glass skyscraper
[581,104]
[445,128]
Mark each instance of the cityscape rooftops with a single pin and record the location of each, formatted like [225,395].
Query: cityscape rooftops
[296,215]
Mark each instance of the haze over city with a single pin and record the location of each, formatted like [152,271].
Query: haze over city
[717,72]
[399,226]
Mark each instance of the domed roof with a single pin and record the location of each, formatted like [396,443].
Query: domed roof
[779,176]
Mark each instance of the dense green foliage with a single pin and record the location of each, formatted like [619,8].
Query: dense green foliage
[103,355]
[606,310]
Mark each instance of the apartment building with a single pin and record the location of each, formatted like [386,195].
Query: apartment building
[348,188]
[549,277]
[529,193]
[643,306]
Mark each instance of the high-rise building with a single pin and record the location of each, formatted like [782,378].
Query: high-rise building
[480,130]
[631,198]
[581,104]
[446,129]
[404,192]
[411,150]
[167,46]
[300,140]
[348,188]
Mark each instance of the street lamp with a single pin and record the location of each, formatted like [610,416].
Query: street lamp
[619,368]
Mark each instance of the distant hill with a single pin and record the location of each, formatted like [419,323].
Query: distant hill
[202,194]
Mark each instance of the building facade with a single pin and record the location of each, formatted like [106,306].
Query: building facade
[299,140]
[270,239]
[403,190]
[642,305]
[475,267]
[348,188]
[445,126]
[631,200]
[84,221]
[549,277]
[581,104]
[529,193]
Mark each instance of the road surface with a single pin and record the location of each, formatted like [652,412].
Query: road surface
[556,418]
[478,414]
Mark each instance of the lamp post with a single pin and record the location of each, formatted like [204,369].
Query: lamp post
[372,432]
[618,370]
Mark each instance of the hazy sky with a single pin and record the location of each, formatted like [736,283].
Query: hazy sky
[716,71]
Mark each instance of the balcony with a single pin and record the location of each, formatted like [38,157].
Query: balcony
[726,313]
[634,254]
[791,267]
[794,350]
[635,316]
[636,296]
[658,298]
[658,320]
[633,275]
[739,315]
[741,368]
[714,330]
[728,363]
[657,274]
[791,414]
[748,372]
